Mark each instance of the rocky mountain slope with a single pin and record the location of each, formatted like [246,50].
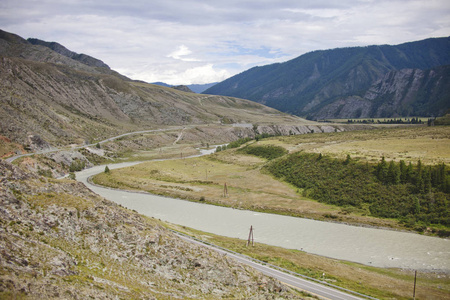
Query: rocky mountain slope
[67,98]
[352,82]
[61,241]
[406,92]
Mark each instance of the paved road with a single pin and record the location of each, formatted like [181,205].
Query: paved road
[320,290]
[11,159]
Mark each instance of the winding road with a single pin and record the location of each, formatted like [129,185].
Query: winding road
[316,288]
[12,158]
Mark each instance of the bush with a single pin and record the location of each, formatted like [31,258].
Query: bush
[77,165]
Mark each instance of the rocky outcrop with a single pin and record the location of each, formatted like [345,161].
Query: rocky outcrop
[59,240]
[182,88]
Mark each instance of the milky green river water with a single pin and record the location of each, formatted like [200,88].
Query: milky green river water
[369,246]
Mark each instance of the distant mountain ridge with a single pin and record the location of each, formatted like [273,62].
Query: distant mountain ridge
[343,82]
[196,88]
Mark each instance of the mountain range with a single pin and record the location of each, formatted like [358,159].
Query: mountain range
[411,79]
[69,98]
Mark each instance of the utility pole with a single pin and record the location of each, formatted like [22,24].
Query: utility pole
[250,237]
[415,278]
[225,190]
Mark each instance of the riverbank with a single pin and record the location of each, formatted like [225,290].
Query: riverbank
[382,283]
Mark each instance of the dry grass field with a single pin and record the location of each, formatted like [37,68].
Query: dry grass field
[410,143]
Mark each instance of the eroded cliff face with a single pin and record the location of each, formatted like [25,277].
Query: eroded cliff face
[407,92]
[59,240]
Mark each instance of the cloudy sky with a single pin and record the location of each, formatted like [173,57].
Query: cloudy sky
[202,41]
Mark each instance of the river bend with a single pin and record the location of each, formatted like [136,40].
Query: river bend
[369,246]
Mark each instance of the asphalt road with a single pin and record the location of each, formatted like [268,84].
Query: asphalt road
[323,291]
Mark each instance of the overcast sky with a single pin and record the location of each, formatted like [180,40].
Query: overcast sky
[201,41]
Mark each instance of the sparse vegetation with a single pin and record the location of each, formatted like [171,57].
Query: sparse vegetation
[59,240]
[77,165]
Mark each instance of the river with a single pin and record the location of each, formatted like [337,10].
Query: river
[369,246]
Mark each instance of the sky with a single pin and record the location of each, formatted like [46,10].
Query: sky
[201,41]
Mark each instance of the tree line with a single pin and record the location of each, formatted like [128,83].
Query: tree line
[389,121]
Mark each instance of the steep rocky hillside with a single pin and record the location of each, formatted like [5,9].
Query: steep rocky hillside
[64,100]
[407,92]
[61,241]
[343,82]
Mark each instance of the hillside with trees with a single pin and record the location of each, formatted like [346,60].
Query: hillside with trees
[361,82]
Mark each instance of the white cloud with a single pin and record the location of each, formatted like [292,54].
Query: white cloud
[177,76]
[195,41]
[181,52]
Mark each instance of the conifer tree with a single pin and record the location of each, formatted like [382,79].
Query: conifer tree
[347,160]
[393,174]
[427,180]
[419,177]
[403,172]
[381,170]
[409,172]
